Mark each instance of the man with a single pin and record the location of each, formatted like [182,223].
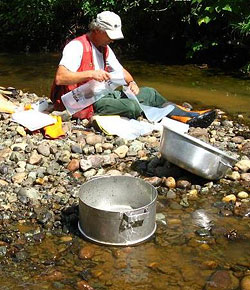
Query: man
[89,57]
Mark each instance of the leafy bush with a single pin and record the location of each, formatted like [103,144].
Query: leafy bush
[168,31]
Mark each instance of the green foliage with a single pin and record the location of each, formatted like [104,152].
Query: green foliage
[196,29]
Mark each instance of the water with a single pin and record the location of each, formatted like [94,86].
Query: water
[185,250]
[202,88]
[176,257]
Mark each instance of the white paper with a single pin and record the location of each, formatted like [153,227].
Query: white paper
[129,129]
[90,92]
[84,96]
[153,114]
[32,120]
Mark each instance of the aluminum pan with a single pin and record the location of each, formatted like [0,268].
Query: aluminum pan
[194,155]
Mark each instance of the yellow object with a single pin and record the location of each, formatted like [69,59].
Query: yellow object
[55,130]
[27,107]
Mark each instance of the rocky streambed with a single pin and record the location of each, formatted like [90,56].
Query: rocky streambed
[202,239]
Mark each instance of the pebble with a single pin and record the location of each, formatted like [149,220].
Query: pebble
[245,177]
[222,280]
[94,139]
[121,151]
[19,177]
[242,195]
[86,252]
[73,165]
[155,181]
[183,184]
[169,182]
[245,283]
[34,158]
[171,194]
[192,194]
[234,175]
[44,149]
[243,165]
[229,198]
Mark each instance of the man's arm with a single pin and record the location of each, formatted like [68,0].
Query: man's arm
[67,77]
[130,81]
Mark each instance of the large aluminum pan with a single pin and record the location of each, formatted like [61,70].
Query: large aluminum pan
[194,155]
[117,210]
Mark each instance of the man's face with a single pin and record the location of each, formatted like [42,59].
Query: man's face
[102,39]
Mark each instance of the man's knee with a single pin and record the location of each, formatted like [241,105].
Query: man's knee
[134,110]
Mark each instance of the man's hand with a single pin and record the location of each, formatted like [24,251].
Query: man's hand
[134,88]
[100,75]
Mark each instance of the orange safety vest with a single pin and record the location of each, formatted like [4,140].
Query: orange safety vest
[86,64]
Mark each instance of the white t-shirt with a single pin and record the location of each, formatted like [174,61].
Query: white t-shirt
[73,52]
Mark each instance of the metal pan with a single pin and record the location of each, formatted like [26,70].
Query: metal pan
[117,210]
[194,155]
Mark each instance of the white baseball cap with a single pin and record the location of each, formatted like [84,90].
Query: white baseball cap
[111,23]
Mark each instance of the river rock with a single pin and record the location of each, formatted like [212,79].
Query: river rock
[121,151]
[229,198]
[93,139]
[89,173]
[85,164]
[25,194]
[192,194]
[98,148]
[114,172]
[34,158]
[20,130]
[44,149]
[17,156]
[86,252]
[65,156]
[83,285]
[246,148]
[237,139]
[243,165]
[169,182]
[222,280]
[245,283]
[183,184]
[19,177]
[75,148]
[22,146]
[73,165]
[95,160]
[171,194]
[107,146]
[53,275]
[109,159]
[3,251]
[245,177]
[5,153]
[233,175]
[242,195]
[135,146]
[155,181]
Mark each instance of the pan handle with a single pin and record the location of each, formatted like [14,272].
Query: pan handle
[135,216]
